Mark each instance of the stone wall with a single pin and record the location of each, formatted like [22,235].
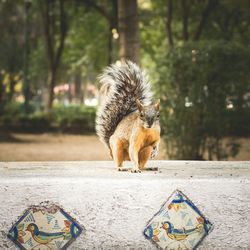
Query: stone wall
[114,207]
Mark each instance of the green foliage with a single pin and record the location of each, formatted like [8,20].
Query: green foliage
[239,121]
[11,45]
[86,44]
[10,112]
[73,119]
[198,81]
[195,80]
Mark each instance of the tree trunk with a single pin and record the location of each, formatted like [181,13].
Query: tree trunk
[2,90]
[52,83]
[210,7]
[54,52]
[26,82]
[12,86]
[128,30]
[110,45]
[83,90]
[78,81]
[185,15]
[169,22]
[113,24]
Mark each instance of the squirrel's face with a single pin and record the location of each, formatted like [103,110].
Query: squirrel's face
[149,115]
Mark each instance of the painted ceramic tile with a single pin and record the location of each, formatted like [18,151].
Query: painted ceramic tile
[44,228]
[178,225]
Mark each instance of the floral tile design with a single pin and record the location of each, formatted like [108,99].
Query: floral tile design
[44,227]
[178,224]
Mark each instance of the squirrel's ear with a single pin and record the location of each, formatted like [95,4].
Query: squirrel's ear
[157,104]
[139,105]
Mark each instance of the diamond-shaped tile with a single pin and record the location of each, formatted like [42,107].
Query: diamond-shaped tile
[178,225]
[44,227]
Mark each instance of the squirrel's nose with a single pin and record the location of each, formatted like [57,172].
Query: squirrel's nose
[149,125]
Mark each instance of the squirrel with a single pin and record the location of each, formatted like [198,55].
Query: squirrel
[127,122]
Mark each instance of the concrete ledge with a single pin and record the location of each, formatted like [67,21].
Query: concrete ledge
[114,207]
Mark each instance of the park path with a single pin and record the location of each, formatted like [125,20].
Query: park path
[66,147]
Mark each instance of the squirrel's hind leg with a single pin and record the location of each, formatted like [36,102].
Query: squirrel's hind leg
[117,151]
[144,156]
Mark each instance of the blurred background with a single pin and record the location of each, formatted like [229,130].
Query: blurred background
[196,53]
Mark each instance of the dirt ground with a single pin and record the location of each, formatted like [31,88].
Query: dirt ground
[61,147]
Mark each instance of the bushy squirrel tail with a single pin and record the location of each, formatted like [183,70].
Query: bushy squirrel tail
[121,87]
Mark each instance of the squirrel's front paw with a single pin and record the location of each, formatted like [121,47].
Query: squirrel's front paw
[154,152]
[135,170]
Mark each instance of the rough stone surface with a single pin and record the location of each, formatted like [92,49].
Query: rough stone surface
[114,207]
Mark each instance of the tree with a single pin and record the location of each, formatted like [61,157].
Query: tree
[55,24]
[200,98]
[86,51]
[183,7]
[26,82]
[169,22]
[128,30]
[110,14]
[11,48]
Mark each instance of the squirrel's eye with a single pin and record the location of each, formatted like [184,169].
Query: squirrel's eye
[141,116]
[158,115]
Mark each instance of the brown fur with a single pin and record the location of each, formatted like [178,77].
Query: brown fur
[133,141]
